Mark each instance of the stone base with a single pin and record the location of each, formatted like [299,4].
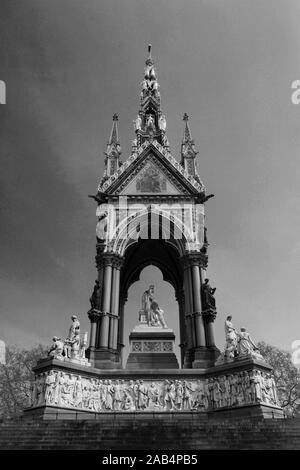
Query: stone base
[200,358]
[62,388]
[151,348]
[205,357]
[104,358]
[151,361]
[254,411]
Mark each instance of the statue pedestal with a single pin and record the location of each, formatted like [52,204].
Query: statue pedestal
[151,348]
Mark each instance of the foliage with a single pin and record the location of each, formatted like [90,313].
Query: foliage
[16,378]
[286,376]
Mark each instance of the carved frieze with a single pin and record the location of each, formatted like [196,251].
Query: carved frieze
[61,389]
[68,390]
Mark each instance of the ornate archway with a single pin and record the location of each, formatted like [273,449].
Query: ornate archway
[130,249]
[151,210]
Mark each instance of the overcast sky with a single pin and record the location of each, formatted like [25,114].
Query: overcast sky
[69,65]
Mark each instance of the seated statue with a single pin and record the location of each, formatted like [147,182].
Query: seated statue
[57,349]
[207,295]
[151,311]
[158,315]
[246,346]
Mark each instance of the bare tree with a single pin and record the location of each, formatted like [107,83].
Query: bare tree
[286,376]
[16,378]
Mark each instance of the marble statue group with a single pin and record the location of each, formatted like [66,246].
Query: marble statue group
[239,344]
[151,313]
[71,348]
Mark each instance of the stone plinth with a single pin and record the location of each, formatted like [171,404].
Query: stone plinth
[151,348]
[241,388]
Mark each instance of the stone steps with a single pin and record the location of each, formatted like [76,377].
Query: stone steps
[160,434]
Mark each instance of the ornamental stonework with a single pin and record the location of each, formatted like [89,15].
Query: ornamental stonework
[67,390]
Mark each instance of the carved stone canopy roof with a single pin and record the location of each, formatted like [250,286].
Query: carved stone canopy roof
[162,159]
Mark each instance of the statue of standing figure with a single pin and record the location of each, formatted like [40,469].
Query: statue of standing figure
[95,297]
[153,313]
[230,338]
[73,336]
[207,294]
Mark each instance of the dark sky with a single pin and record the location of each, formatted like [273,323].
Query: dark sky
[69,65]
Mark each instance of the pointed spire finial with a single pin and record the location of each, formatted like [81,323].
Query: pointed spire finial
[149,60]
[187,136]
[114,137]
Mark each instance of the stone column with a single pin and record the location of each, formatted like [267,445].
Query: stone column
[188,307]
[120,344]
[210,337]
[199,325]
[104,325]
[180,297]
[115,301]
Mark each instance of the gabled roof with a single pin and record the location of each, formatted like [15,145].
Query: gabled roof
[160,157]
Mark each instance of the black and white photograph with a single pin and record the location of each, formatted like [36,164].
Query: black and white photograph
[149,228]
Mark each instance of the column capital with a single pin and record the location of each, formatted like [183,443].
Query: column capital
[94,315]
[109,259]
[209,315]
[194,259]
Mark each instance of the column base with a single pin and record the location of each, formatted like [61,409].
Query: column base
[205,357]
[104,358]
[188,359]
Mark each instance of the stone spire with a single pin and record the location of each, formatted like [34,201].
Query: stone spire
[113,151]
[188,150]
[150,123]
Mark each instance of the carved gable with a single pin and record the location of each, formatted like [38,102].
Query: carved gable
[151,178]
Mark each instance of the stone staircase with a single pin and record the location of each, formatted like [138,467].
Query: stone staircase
[150,433]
